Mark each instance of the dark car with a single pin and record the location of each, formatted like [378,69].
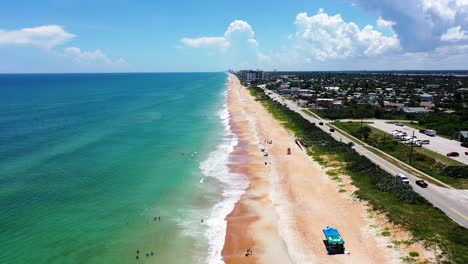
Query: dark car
[332,130]
[421,183]
[464,144]
[321,123]
[466,153]
[453,154]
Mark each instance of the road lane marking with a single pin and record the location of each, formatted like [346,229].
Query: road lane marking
[460,214]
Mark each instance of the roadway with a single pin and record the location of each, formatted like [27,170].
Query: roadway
[453,202]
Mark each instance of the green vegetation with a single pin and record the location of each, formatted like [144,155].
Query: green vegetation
[358,111]
[401,204]
[386,233]
[444,123]
[414,254]
[438,166]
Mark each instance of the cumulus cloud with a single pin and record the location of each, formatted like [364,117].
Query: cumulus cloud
[43,36]
[420,24]
[88,57]
[323,37]
[239,27]
[238,43]
[385,24]
[455,34]
[237,31]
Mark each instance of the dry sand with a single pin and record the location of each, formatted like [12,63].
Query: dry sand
[290,200]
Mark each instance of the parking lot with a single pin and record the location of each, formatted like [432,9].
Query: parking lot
[437,144]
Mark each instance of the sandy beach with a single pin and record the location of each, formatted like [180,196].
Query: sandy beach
[289,200]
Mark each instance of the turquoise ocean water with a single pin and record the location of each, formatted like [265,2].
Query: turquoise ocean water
[88,160]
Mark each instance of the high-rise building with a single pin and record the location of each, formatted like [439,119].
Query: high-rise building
[251,75]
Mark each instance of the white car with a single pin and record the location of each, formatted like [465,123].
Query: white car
[400,135]
[402,178]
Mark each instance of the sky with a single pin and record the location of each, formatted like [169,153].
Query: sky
[216,35]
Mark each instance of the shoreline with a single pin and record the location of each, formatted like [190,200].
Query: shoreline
[289,201]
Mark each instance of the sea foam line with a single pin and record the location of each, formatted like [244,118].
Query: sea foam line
[233,186]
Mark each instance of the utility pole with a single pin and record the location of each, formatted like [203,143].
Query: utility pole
[360,131]
[411,149]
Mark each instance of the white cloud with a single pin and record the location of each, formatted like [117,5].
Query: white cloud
[237,31]
[323,37]
[441,8]
[43,36]
[237,45]
[88,57]
[420,24]
[239,27]
[252,41]
[385,24]
[219,42]
[455,34]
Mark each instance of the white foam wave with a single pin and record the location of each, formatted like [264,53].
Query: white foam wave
[233,186]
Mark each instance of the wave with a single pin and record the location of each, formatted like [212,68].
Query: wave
[233,186]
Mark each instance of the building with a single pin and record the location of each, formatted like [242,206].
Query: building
[332,88]
[324,102]
[337,104]
[414,110]
[251,75]
[425,98]
[428,105]
[391,106]
[462,136]
[432,86]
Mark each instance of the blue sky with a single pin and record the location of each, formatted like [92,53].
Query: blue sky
[123,35]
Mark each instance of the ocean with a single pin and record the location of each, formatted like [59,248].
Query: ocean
[95,167]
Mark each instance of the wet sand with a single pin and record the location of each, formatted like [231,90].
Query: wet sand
[289,201]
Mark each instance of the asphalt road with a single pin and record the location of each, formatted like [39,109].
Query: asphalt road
[453,202]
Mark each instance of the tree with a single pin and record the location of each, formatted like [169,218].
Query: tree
[365,132]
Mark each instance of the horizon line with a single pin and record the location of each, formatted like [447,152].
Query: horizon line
[272,71]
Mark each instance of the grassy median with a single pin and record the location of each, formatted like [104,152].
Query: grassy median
[402,205]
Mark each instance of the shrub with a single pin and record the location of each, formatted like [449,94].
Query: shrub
[456,171]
